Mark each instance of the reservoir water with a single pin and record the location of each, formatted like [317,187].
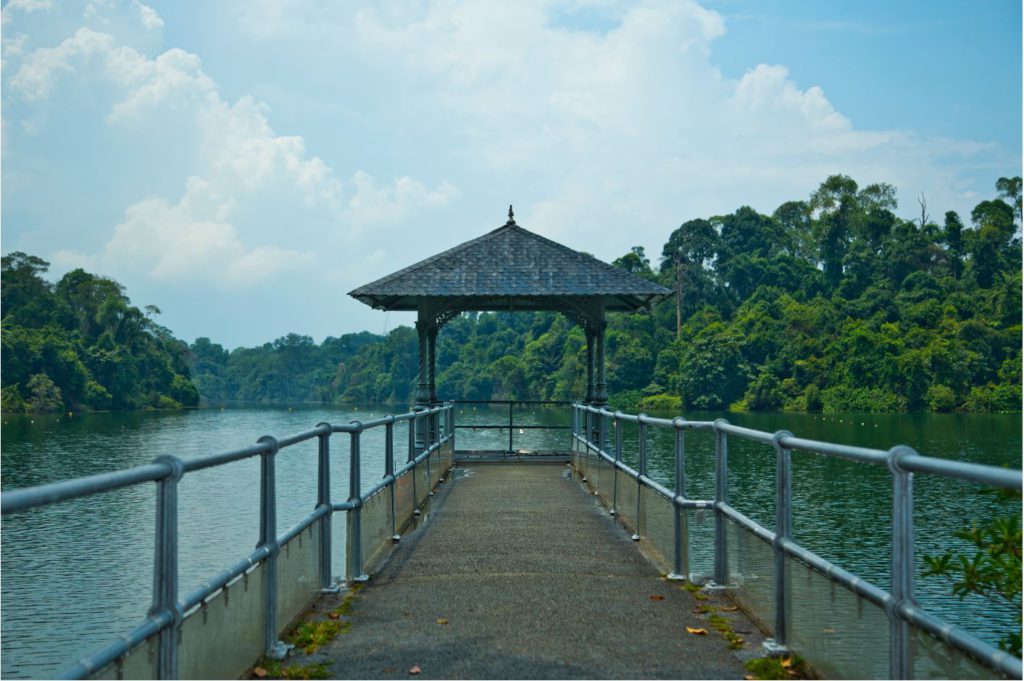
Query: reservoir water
[79,574]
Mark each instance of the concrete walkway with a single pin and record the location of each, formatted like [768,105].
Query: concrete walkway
[519,574]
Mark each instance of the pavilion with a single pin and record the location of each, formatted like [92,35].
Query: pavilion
[511,269]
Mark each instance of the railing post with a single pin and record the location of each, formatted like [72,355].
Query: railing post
[618,457]
[165,567]
[901,658]
[323,485]
[413,428]
[430,442]
[681,558]
[422,429]
[510,427]
[275,649]
[721,497]
[389,471]
[354,570]
[642,470]
[783,532]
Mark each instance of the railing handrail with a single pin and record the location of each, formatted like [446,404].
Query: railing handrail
[900,605]
[169,607]
[909,461]
[559,403]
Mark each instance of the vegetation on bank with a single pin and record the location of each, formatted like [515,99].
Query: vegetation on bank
[79,345]
[829,304]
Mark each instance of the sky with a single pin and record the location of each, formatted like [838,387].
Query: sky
[242,165]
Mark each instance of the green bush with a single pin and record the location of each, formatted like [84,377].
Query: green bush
[846,398]
[992,397]
[940,398]
[661,402]
[165,402]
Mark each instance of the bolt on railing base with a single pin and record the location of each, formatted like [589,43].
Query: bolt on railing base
[773,649]
[715,586]
[360,579]
[333,589]
[395,538]
[635,537]
[676,577]
[279,650]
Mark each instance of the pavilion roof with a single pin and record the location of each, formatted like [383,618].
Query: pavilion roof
[510,268]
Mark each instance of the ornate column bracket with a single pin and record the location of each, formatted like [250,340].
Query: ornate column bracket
[589,314]
[432,314]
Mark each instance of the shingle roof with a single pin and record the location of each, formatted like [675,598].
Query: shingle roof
[510,268]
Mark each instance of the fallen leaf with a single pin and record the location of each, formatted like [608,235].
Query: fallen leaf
[699,632]
[786,662]
[415,669]
[260,672]
[333,615]
[657,597]
[730,608]
[442,620]
[749,677]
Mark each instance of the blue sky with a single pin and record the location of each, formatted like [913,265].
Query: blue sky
[243,165]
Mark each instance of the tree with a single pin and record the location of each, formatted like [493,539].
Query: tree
[635,262]
[686,253]
[952,236]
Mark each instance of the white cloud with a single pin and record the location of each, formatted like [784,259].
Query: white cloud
[246,182]
[149,16]
[190,241]
[28,6]
[375,205]
[386,118]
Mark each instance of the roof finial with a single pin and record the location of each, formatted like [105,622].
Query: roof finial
[511,216]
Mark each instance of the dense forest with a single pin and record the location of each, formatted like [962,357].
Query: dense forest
[828,304]
[80,344]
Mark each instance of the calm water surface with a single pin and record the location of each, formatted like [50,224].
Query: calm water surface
[79,574]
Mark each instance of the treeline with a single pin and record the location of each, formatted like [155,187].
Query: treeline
[832,303]
[79,344]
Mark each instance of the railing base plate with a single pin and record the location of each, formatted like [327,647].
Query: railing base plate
[773,649]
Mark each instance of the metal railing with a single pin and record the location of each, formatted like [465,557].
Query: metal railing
[511,424]
[599,433]
[431,435]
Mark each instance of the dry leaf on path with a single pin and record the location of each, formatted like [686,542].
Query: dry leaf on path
[729,608]
[259,672]
[415,669]
[657,597]
[699,632]
[786,662]
[333,615]
[442,620]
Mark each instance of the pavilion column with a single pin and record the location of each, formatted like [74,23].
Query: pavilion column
[591,335]
[432,421]
[423,384]
[600,386]
[432,362]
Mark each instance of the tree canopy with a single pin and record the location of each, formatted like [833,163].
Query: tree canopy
[830,303]
[80,344]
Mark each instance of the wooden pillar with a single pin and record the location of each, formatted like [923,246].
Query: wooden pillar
[432,362]
[423,383]
[589,331]
[600,386]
